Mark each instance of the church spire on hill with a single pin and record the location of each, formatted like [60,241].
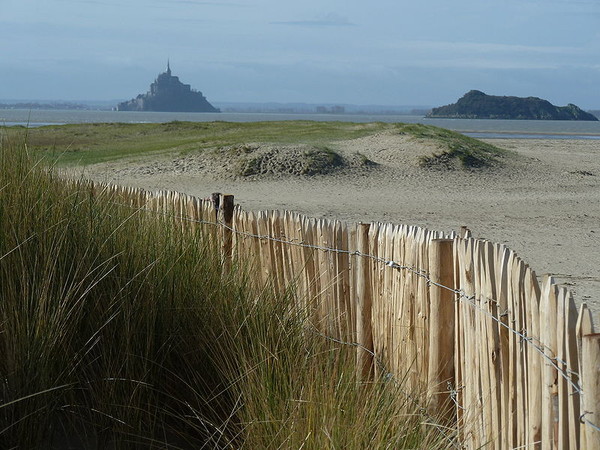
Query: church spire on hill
[168,94]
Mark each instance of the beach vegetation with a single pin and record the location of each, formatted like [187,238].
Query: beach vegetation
[321,160]
[121,329]
[84,144]
[456,149]
[104,142]
[290,161]
[361,160]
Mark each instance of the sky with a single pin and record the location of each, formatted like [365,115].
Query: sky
[380,52]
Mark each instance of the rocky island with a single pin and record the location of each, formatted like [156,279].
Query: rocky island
[477,105]
[168,94]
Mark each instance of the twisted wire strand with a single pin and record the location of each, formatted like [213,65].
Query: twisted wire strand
[459,293]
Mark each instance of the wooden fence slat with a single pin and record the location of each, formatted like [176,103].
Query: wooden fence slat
[375,289]
[472,417]
[562,389]
[326,312]
[364,303]
[534,362]
[277,248]
[503,275]
[256,245]
[392,332]
[508,394]
[226,216]
[293,256]
[459,350]
[584,326]
[482,384]
[548,320]
[287,265]
[343,262]
[491,339]
[337,303]
[520,352]
[591,388]
[441,335]
[423,309]
[410,288]
[572,359]
[394,320]
[266,256]
[311,261]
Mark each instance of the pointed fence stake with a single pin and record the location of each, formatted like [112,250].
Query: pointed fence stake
[364,303]
[441,337]
[226,217]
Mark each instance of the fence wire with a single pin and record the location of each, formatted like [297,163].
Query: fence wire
[459,293]
[389,376]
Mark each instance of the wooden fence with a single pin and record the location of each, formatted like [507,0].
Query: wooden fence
[507,362]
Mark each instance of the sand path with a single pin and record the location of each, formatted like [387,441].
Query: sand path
[545,204]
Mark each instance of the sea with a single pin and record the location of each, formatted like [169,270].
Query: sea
[485,129]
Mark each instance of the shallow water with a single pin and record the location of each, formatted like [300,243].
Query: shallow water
[539,129]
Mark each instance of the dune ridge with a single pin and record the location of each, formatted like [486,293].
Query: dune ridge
[542,199]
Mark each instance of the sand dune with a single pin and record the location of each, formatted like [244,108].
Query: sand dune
[543,201]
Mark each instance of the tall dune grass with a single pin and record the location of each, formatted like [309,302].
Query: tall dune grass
[120,330]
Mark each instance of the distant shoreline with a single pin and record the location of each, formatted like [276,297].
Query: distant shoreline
[513,135]
[482,129]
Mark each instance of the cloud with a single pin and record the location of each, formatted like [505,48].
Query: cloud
[204,3]
[329,20]
[486,47]
[484,55]
[160,4]
[483,64]
[93,2]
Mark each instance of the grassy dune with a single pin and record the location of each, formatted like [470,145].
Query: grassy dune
[83,144]
[120,330]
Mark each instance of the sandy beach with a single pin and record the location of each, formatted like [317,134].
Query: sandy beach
[544,202]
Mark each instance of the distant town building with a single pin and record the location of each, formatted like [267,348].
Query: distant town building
[168,94]
[336,109]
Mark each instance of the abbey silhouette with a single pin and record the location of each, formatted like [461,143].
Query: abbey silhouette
[168,94]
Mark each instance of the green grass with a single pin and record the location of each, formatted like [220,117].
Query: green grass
[82,144]
[321,160]
[314,161]
[120,329]
[467,152]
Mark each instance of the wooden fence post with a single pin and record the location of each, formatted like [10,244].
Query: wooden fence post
[364,332]
[441,327]
[215,198]
[465,233]
[585,325]
[591,388]
[226,210]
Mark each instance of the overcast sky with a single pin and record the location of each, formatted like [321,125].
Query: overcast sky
[389,52]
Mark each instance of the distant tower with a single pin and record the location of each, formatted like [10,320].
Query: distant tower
[168,94]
